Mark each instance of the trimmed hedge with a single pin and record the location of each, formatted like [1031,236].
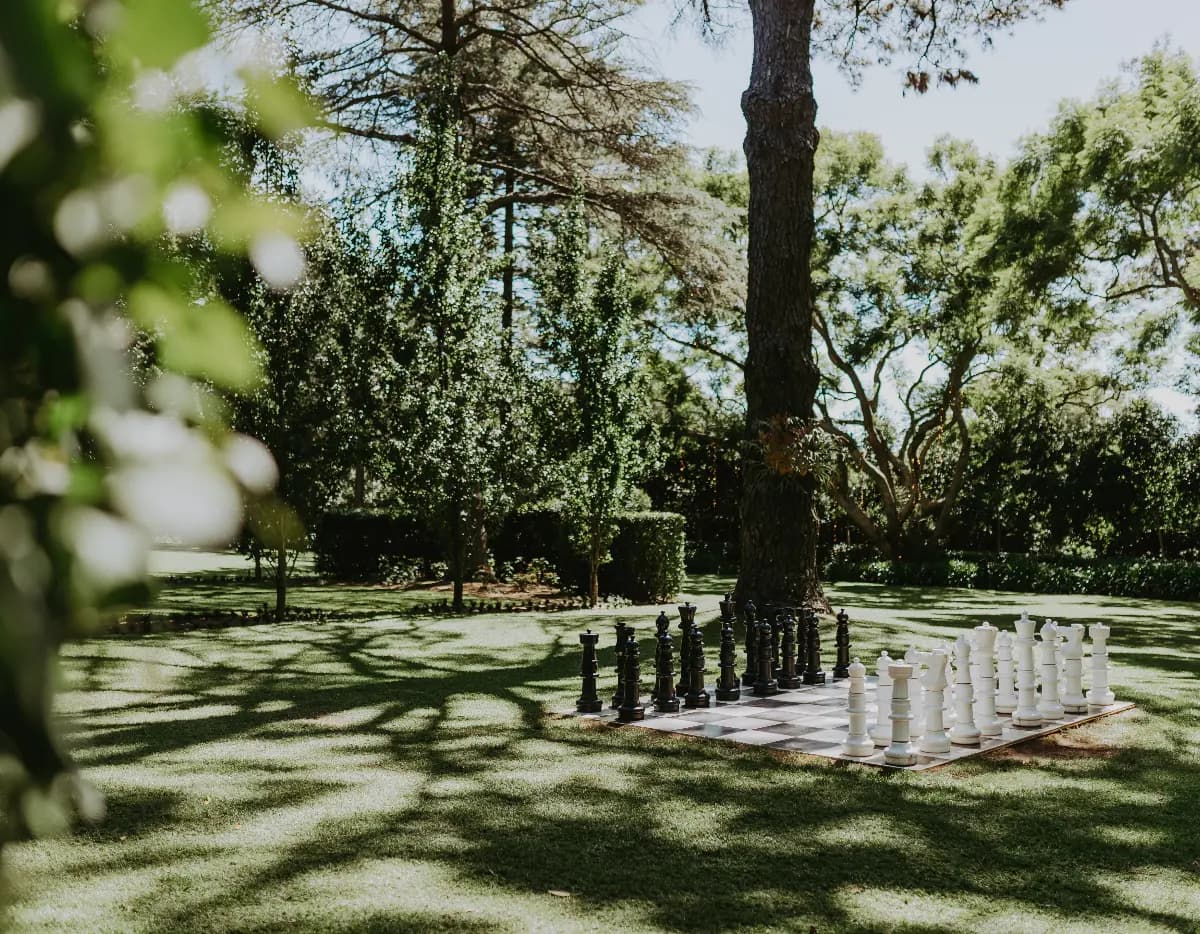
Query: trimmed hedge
[1114,577]
[364,544]
[647,563]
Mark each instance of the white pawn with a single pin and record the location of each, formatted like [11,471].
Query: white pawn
[881,729]
[985,699]
[1058,654]
[857,742]
[1026,713]
[1073,700]
[1006,696]
[916,693]
[1049,707]
[964,732]
[901,751]
[1101,694]
[934,738]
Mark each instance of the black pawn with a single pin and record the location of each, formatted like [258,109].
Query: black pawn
[619,694]
[764,684]
[842,641]
[662,625]
[728,686]
[788,676]
[631,704]
[751,673]
[696,696]
[812,642]
[727,613]
[665,698]
[589,701]
[685,654]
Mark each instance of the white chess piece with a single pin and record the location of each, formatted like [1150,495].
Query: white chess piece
[881,729]
[901,751]
[1101,694]
[1026,713]
[948,694]
[1058,654]
[1049,706]
[985,698]
[964,731]
[1073,700]
[1006,696]
[916,693]
[857,742]
[934,738]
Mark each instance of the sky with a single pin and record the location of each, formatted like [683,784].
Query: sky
[1068,54]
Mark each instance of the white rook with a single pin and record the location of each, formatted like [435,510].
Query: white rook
[1049,706]
[985,668]
[964,732]
[1101,694]
[934,739]
[881,729]
[857,742]
[1073,700]
[1006,696]
[901,751]
[1026,713]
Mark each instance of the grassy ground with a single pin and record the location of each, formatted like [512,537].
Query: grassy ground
[396,775]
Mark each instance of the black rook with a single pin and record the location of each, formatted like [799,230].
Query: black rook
[589,701]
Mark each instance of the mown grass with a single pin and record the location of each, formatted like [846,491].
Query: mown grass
[395,775]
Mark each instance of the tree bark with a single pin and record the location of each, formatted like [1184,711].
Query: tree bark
[594,571]
[779,520]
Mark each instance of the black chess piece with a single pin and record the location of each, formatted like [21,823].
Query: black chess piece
[776,619]
[589,701]
[631,703]
[729,685]
[812,642]
[665,698]
[686,625]
[696,696]
[619,694]
[662,624]
[789,677]
[751,673]
[764,684]
[727,612]
[842,641]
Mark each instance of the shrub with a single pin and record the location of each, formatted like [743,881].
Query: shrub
[1116,577]
[372,545]
[647,563]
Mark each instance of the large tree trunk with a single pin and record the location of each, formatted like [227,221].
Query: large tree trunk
[779,520]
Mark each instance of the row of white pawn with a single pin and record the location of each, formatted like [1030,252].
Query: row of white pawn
[967,695]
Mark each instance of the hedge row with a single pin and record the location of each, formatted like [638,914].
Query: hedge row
[1116,577]
[647,553]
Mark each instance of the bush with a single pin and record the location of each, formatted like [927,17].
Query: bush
[1114,577]
[372,545]
[647,563]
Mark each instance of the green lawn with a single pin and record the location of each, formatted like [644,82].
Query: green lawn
[405,775]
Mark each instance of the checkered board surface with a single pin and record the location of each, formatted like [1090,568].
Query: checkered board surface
[813,719]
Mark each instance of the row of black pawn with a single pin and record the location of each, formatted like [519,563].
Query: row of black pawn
[774,660]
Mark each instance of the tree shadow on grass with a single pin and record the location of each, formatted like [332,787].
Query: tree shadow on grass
[641,829]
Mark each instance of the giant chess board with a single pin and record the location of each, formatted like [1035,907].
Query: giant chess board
[813,720]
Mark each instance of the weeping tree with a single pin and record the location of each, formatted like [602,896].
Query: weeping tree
[585,329]
[455,377]
[779,524]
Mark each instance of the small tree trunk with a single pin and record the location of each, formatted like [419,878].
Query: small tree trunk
[779,519]
[281,576]
[458,549]
[256,551]
[360,486]
[594,573]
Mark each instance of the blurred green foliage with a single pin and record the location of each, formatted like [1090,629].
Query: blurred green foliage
[105,163]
